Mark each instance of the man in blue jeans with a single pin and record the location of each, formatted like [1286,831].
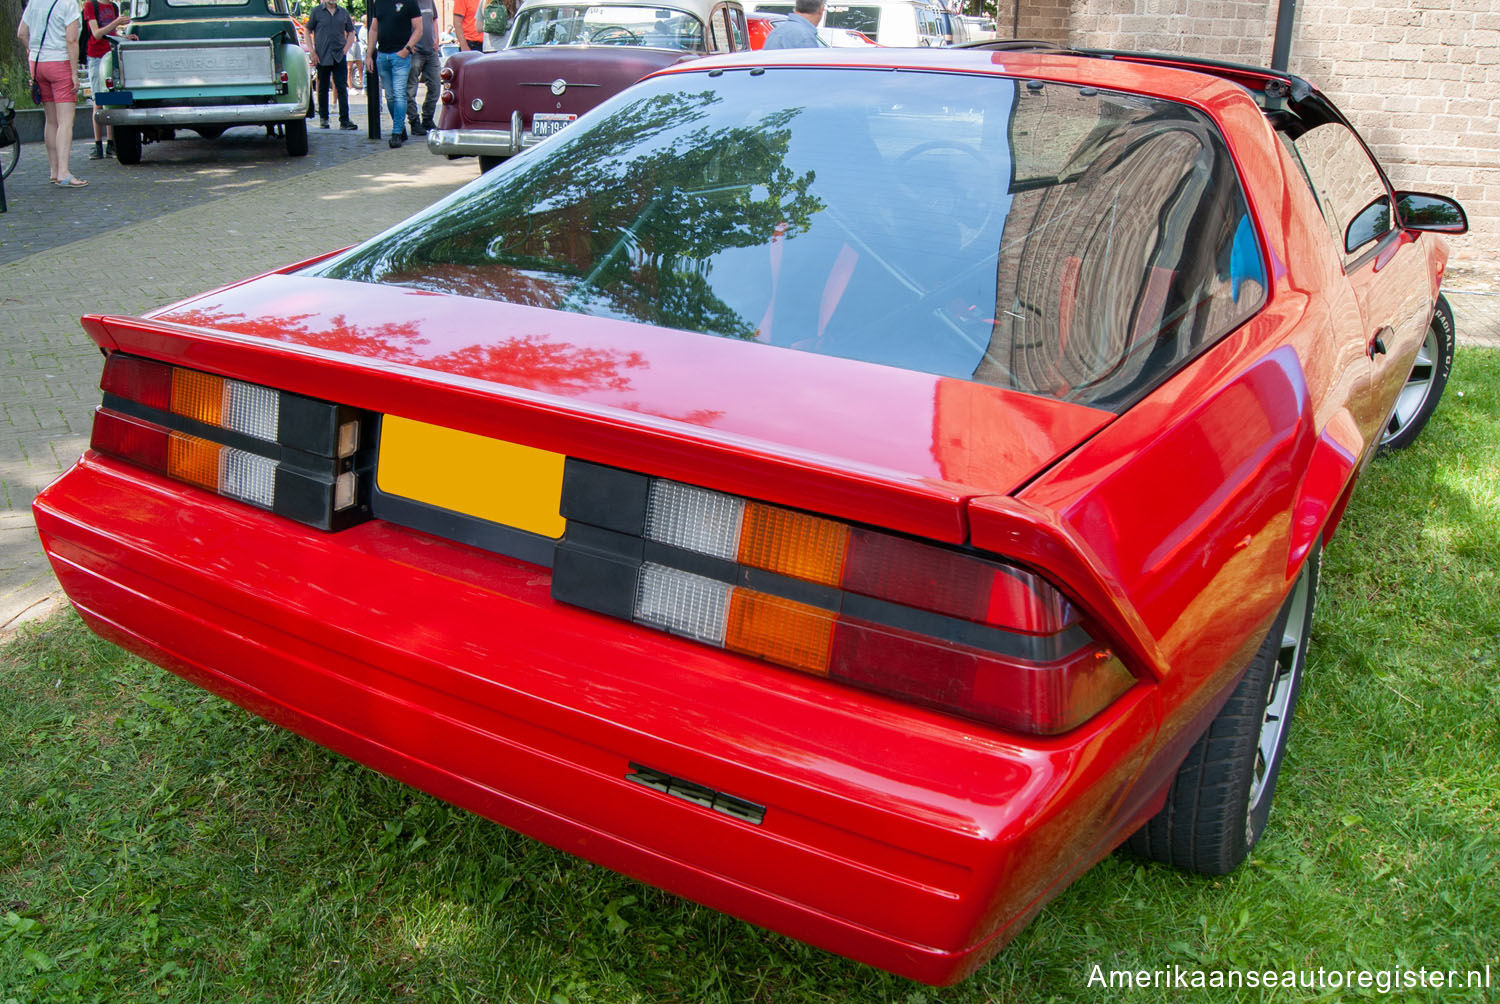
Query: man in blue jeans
[394,28]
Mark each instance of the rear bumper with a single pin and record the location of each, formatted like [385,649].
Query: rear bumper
[191,115]
[908,840]
[481,142]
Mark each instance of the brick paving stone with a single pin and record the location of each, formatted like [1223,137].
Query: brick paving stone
[174,175]
[253,219]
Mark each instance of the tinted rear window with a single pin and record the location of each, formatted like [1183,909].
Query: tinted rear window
[1067,242]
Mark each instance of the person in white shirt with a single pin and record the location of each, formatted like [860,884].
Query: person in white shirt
[49,30]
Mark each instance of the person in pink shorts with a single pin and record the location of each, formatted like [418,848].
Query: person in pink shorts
[49,30]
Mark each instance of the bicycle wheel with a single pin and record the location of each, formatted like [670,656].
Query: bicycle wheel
[9,156]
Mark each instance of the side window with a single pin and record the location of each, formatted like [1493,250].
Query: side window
[1348,186]
[718,30]
[930,26]
[738,29]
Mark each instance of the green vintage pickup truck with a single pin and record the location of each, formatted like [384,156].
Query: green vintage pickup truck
[205,65]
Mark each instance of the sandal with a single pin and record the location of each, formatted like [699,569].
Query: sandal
[72,183]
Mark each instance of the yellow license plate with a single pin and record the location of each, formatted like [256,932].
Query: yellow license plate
[490,479]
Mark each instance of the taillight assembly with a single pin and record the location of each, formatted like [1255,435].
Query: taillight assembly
[299,457]
[945,628]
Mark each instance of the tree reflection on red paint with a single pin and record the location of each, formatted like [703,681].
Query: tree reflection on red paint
[533,362]
[530,360]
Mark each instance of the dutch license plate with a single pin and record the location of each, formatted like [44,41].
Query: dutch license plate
[544,124]
[490,479]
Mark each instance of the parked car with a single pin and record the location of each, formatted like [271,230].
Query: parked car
[561,60]
[912,23]
[760,24]
[979,29]
[668,497]
[205,65]
[845,38]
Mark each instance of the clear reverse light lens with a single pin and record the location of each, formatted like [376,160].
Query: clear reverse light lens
[253,410]
[682,603]
[694,519]
[247,476]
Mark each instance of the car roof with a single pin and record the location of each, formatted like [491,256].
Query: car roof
[1174,83]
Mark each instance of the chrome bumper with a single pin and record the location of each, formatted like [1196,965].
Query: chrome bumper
[191,115]
[481,142]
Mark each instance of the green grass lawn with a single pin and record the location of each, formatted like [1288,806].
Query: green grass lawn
[159,844]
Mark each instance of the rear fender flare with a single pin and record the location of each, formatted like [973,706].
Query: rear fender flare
[1325,488]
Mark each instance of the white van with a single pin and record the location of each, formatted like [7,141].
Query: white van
[908,23]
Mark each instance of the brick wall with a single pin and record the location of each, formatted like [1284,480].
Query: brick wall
[1420,79]
[1047,20]
[1237,30]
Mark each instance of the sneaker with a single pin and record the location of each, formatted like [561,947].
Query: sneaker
[397,138]
[109,148]
[97,153]
[429,125]
[323,124]
[346,124]
[417,130]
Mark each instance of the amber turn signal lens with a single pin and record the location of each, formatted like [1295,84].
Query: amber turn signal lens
[193,460]
[793,543]
[779,630]
[198,395]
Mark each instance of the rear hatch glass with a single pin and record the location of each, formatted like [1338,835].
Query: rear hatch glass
[1069,242]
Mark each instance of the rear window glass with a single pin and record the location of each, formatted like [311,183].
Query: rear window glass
[1062,241]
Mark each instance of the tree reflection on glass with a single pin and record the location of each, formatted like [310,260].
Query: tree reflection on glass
[622,219]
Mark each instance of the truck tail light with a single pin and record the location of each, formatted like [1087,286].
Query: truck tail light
[945,628]
[297,456]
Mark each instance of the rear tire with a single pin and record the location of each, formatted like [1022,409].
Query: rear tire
[1424,387]
[128,145]
[10,156]
[1220,800]
[296,137]
[488,164]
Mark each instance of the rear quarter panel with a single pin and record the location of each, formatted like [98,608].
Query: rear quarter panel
[1200,504]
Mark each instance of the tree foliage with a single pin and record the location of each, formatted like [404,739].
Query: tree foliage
[13,74]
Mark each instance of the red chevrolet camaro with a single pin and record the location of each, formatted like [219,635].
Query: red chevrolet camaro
[857,492]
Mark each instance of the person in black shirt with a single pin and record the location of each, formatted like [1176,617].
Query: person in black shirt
[331,30]
[395,27]
[425,65]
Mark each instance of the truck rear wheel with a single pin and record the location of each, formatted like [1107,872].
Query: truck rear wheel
[127,144]
[296,137]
